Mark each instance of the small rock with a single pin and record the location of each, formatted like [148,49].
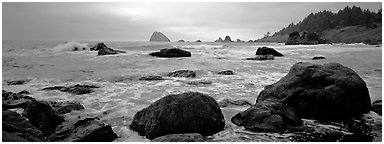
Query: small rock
[151,78]
[227,102]
[377,106]
[199,82]
[227,72]
[261,57]
[181,41]
[76,89]
[198,41]
[182,73]
[17,82]
[318,57]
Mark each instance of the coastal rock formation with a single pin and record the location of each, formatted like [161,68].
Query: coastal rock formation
[98,47]
[181,41]
[238,40]
[77,89]
[17,82]
[182,73]
[227,39]
[189,137]
[318,57]
[227,72]
[16,128]
[324,92]
[85,130]
[43,117]
[109,51]
[171,53]
[219,40]
[226,102]
[64,107]
[150,78]
[267,116]
[189,112]
[12,100]
[307,38]
[268,51]
[158,37]
[262,57]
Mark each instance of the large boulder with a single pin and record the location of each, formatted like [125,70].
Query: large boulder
[43,117]
[63,107]
[268,51]
[85,130]
[227,39]
[267,116]
[158,37]
[182,73]
[307,38]
[12,100]
[16,128]
[77,89]
[171,52]
[189,112]
[325,92]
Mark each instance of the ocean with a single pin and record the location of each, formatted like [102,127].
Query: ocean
[121,94]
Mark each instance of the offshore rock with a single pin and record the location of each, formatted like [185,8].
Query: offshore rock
[219,40]
[268,51]
[318,57]
[227,72]
[307,38]
[227,39]
[182,73]
[150,78]
[171,53]
[77,89]
[158,37]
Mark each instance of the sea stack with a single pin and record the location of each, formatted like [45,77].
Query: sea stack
[227,39]
[159,37]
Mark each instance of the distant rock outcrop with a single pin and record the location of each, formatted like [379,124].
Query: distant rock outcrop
[75,89]
[189,112]
[238,40]
[182,73]
[198,41]
[171,53]
[181,41]
[105,50]
[226,72]
[318,57]
[227,39]
[219,40]
[250,41]
[158,37]
[307,38]
[262,57]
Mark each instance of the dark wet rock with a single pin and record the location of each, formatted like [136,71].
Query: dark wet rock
[262,57]
[150,78]
[198,41]
[109,51]
[268,51]
[190,137]
[238,40]
[158,37]
[227,72]
[219,40]
[171,52]
[64,107]
[307,38]
[228,102]
[17,82]
[189,112]
[202,82]
[377,106]
[85,130]
[250,41]
[75,89]
[16,128]
[318,136]
[98,47]
[267,116]
[318,57]
[24,92]
[361,132]
[181,41]
[12,100]
[182,73]
[43,117]
[227,39]
[325,92]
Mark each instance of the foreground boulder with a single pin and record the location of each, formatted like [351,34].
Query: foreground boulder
[171,52]
[307,38]
[77,89]
[189,112]
[16,128]
[268,51]
[182,73]
[262,57]
[325,92]
[158,37]
[190,137]
[267,116]
[43,117]
[85,130]
[12,100]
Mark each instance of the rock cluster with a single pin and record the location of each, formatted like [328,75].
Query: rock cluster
[307,38]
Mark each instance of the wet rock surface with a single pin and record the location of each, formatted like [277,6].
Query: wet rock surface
[12,100]
[182,73]
[77,89]
[318,57]
[227,72]
[150,78]
[268,51]
[231,102]
[262,57]
[16,128]
[190,137]
[171,53]
[64,107]
[189,112]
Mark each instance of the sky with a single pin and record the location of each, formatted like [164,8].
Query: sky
[136,21]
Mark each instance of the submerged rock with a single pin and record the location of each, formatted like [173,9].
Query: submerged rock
[267,116]
[171,52]
[76,89]
[189,112]
[262,57]
[16,128]
[182,73]
[227,72]
[227,102]
[268,51]
[318,57]
[43,117]
[324,92]
[202,82]
[189,137]
[17,82]
[158,37]
[85,130]
[149,78]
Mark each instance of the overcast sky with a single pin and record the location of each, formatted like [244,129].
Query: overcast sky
[137,21]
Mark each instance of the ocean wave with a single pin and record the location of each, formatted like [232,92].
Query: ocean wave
[71,46]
